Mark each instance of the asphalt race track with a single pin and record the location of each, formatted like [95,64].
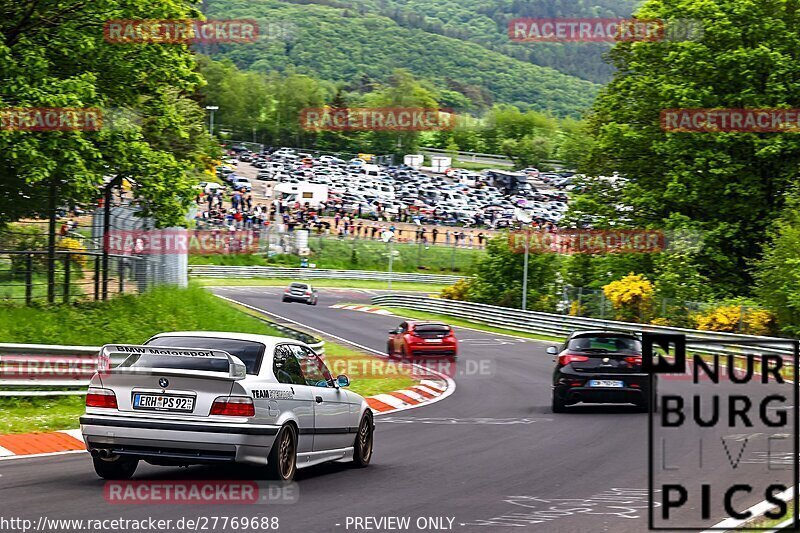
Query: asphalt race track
[490,456]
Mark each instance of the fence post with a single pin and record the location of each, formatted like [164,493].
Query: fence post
[97,277]
[121,267]
[51,242]
[28,279]
[67,264]
[602,304]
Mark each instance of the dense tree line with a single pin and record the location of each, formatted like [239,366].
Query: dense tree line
[269,108]
[53,54]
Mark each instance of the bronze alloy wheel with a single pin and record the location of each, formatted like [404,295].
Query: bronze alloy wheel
[287,456]
[362,454]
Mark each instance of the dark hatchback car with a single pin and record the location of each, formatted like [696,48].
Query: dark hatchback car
[599,367]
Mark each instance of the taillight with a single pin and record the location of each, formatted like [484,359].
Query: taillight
[97,397]
[233,406]
[634,360]
[568,358]
[308,293]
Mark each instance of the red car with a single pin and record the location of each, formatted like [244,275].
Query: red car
[421,339]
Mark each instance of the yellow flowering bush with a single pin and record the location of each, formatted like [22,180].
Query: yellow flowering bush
[630,296]
[728,318]
[660,321]
[68,244]
[576,309]
[457,291]
[759,322]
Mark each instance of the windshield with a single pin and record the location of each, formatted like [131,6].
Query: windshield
[249,352]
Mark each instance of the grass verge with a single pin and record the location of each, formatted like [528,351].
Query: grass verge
[133,319]
[323,283]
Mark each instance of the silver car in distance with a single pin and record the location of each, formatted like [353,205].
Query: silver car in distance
[201,397]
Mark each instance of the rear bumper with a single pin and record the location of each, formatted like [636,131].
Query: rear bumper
[180,441]
[601,395]
[428,350]
[304,299]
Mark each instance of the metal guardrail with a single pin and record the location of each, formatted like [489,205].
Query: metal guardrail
[217,271]
[469,157]
[563,325]
[43,365]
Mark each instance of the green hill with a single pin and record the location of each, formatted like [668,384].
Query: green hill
[353,45]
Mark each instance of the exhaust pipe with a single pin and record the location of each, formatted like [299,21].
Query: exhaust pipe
[102,453]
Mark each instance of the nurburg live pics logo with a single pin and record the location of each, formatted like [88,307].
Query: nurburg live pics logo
[736,403]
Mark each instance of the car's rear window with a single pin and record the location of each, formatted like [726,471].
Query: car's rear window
[432,328]
[299,285]
[606,343]
[249,352]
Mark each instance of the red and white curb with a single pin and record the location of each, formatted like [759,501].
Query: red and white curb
[361,308]
[13,446]
[424,392]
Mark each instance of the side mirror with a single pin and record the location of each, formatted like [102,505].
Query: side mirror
[552,350]
[343,381]
[394,331]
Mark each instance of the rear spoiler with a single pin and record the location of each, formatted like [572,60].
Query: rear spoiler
[128,353]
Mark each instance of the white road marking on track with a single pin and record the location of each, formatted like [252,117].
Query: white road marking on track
[5,453]
[463,421]
[451,384]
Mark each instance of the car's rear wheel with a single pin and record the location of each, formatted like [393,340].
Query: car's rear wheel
[558,404]
[389,350]
[119,467]
[282,460]
[285,300]
[362,449]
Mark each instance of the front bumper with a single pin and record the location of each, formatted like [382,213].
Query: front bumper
[192,442]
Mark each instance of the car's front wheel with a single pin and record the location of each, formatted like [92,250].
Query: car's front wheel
[362,449]
[119,467]
[282,460]
[558,404]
